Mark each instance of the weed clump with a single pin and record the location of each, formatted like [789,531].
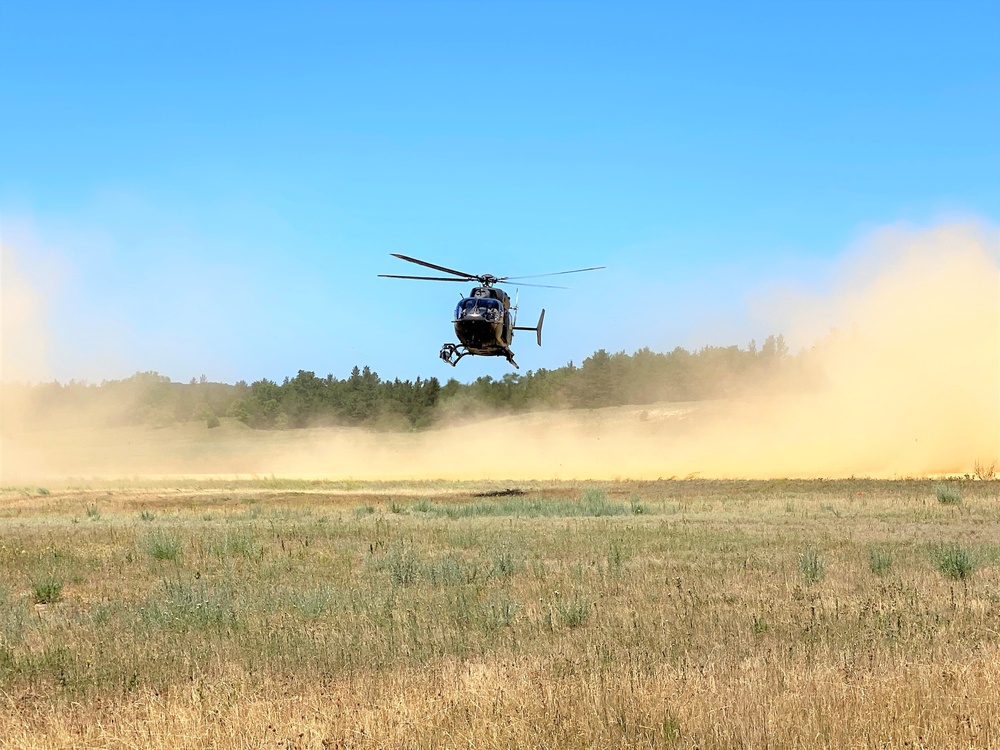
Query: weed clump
[947,495]
[499,613]
[504,563]
[574,612]
[955,562]
[235,544]
[616,559]
[161,545]
[403,567]
[759,625]
[879,560]
[670,728]
[450,571]
[812,566]
[47,590]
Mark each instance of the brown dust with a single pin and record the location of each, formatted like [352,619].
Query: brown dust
[904,373]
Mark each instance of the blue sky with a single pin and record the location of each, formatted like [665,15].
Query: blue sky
[213,187]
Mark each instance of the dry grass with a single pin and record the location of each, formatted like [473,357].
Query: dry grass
[660,614]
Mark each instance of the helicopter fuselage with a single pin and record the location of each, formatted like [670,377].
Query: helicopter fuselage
[483,322]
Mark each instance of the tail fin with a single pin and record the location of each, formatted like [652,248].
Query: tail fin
[537,329]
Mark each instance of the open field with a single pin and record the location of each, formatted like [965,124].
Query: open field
[666,614]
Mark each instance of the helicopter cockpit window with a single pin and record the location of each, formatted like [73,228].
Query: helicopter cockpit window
[488,308]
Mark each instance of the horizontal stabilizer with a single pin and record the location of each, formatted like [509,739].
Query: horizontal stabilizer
[537,329]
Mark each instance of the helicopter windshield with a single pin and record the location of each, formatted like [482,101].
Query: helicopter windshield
[488,308]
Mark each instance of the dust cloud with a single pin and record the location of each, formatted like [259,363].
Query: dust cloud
[22,321]
[905,381]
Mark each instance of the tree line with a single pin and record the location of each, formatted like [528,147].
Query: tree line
[365,399]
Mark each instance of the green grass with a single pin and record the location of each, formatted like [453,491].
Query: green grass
[947,495]
[162,545]
[879,560]
[954,561]
[812,566]
[47,590]
[574,611]
[616,559]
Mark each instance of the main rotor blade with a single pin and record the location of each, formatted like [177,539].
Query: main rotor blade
[468,276]
[557,273]
[540,286]
[424,278]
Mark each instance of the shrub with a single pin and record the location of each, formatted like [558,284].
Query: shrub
[985,470]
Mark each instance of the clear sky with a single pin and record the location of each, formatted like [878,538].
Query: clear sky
[212,187]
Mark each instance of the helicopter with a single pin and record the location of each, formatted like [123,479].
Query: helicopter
[485,321]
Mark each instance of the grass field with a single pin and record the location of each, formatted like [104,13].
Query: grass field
[672,614]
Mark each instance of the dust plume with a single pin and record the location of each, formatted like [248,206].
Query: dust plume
[23,340]
[904,373]
[23,343]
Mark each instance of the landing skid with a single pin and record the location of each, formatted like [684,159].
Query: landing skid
[452,353]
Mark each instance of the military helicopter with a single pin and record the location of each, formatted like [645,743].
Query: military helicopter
[485,321]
